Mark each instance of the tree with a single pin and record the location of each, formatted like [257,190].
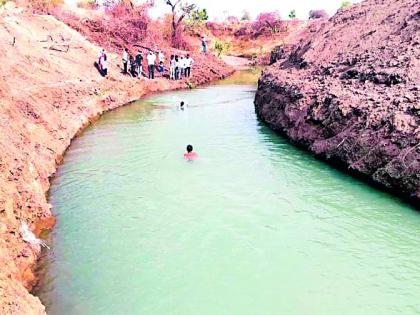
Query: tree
[346,4]
[292,14]
[270,20]
[232,19]
[221,47]
[317,14]
[246,16]
[179,11]
[199,15]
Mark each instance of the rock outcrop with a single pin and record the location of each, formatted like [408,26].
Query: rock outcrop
[49,91]
[349,93]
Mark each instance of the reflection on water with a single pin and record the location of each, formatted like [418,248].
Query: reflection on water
[254,226]
[249,76]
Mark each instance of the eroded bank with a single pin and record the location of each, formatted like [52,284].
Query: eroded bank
[47,97]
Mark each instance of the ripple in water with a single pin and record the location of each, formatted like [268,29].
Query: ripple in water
[254,226]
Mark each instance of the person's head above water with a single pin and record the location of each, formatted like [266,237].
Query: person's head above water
[182,103]
[190,155]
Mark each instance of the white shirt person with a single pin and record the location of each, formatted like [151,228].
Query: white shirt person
[151,60]
[188,61]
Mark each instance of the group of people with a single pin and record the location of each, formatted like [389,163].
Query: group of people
[134,64]
[179,67]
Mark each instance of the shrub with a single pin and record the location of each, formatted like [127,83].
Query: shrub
[346,4]
[221,47]
[242,31]
[318,14]
[268,22]
[232,19]
[199,15]
[246,16]
[292,14]
[179,41]
[195,24]
[131,25]
[87,4]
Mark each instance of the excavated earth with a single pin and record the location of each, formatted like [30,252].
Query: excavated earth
[348,91]
[50,91]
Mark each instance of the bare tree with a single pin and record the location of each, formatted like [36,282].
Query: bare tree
[179,11]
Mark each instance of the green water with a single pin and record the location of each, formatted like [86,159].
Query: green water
[254,226]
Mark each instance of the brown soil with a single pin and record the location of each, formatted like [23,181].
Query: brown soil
[47,95]
[349,93]
[246,42]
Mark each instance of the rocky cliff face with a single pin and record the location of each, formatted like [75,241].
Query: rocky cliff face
[349,92]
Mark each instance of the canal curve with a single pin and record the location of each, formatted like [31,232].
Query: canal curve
[253,226]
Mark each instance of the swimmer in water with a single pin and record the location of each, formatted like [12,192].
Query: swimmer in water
[182,105]
[190,155]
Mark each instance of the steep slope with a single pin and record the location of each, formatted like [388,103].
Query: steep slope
[349,92]
[49,90]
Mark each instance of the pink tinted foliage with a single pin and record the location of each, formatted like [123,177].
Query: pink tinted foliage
[133,25]
[268,21]
[180,42]
[123,26]
[318,14]
[216,28]
[212,25]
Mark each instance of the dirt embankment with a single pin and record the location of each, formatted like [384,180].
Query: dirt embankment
[250,42]
[349,92]
[48,93]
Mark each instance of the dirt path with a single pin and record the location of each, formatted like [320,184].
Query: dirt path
[237,62]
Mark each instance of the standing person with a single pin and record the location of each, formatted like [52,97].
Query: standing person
[204,44]
[161,68]
[133,66]
[176,68]
[125,60]
[161,57]
[151,60]
[188,65]
[103,66]
[139,63]
[172,68]
[101,53]
[99,63]
[181,67]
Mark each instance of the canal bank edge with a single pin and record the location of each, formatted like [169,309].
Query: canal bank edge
[47,98]
[348,92]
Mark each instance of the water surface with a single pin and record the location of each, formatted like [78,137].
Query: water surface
[254,226]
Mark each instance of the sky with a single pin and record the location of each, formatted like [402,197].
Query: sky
[219,9]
